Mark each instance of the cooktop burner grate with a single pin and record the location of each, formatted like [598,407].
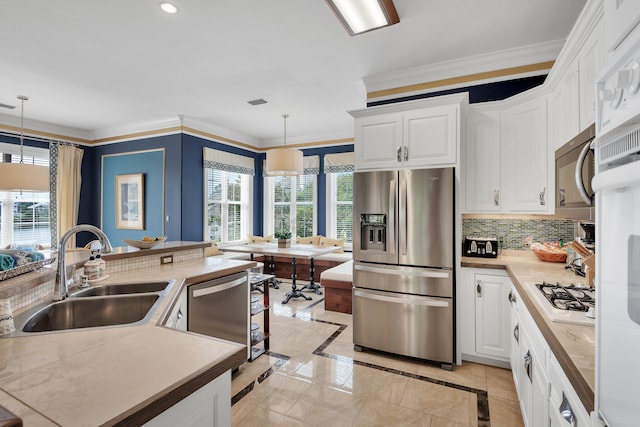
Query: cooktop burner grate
[571,298]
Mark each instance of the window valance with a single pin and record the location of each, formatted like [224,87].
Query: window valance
[341,162]
[229,162]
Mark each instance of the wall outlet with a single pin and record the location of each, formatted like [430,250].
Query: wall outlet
[168,259]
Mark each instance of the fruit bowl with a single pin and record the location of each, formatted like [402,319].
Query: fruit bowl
[549,252]
[144,243]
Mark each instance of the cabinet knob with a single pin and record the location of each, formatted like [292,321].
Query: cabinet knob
[406,153]
[479,288]
[543,196]
[527,364]
[516,333]
[398,152]
[496,197]
[512,297]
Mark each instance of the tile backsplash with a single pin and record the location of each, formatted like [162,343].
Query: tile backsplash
[514,231]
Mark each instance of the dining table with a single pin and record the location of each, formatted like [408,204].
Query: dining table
[295,251]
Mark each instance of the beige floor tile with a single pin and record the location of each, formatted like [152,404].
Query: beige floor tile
[377,384]
[261,417]
[319,369]
[504,413]
[325,405]
[239,411]
[438,400]
[379,413]
[278,393]
[444,422]
[459,377]
[500,383]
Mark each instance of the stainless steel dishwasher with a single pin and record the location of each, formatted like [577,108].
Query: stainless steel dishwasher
[220,308]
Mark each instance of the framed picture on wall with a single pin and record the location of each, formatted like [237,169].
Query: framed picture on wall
[130,201]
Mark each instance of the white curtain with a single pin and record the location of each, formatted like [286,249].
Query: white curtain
[69,180]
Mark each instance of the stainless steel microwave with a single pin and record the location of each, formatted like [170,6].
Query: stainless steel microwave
[575,169]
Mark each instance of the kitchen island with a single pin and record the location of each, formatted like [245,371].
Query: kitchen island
[122,375]
[572,345]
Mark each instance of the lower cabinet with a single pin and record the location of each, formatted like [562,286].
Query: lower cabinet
[484,316]
[208,406]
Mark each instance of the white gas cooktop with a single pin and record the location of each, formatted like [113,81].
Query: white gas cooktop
[555,314]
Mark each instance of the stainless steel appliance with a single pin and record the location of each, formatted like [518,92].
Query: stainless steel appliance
[403,251]
[220,308]
[574,172]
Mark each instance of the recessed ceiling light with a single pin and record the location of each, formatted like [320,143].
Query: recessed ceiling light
[168,7]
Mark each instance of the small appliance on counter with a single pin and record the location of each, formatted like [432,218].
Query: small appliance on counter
[484,247]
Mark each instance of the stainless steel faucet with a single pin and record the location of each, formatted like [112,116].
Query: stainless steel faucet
[61,289]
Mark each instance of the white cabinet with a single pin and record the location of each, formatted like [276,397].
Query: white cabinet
[492,315]
[524,157]
[506,158]
[483,316]
[408,135]
[208,406]
[564,108]
[482,162]
[591,58]
[564,403]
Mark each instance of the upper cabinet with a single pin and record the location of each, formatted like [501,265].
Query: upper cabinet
[409,134]
[506,158]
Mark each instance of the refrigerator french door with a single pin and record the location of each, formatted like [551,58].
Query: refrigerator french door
[403,277]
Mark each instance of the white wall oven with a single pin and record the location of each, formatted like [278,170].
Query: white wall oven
[617,187]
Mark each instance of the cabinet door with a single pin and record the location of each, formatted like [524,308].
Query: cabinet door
[524,150]
[493,315]
[430,136]
[591,59]
[482,168]
[378,141]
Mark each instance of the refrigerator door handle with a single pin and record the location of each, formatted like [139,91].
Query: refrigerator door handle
[391,226]
[402,207]
[425,301]
[436,274]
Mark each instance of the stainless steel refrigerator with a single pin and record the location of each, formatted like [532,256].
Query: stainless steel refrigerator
[403,251]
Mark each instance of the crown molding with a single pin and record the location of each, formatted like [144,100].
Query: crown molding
[11,124]
[516,60]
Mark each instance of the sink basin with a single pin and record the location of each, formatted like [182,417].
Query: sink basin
[122,289]
[91,312]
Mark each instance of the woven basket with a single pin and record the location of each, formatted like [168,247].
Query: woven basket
[550,256]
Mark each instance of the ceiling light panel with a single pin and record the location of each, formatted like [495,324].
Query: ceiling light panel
[359,16]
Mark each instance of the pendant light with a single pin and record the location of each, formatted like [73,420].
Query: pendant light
[284,161]
[22,176]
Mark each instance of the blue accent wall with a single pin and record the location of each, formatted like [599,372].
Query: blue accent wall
[91,190]
[151,165]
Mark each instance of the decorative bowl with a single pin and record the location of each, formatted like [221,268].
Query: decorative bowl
[144,244]
[550,256]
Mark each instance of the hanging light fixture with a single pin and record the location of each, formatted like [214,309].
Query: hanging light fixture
[284,161]
[22,176]
[361,16]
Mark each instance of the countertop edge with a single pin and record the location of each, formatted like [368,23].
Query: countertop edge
[155,405]
[577,380]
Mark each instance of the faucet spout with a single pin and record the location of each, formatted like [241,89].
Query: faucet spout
[61,289]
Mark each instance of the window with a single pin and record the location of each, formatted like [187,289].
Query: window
[292,205]
[24,216]
[339,171]
[228,193]
[340,206]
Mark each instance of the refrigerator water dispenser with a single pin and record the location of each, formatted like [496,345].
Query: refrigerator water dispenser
[373,229]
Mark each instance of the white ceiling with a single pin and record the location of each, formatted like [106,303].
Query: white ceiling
[91,66]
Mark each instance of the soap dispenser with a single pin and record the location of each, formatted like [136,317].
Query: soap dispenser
[102,265]
[92,268]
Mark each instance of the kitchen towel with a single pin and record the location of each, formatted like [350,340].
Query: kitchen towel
[6,262]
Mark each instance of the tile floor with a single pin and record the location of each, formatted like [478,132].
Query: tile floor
[311,376]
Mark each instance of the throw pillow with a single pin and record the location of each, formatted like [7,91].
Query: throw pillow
[259,239]
[326,241]
[313,240]
[212,250]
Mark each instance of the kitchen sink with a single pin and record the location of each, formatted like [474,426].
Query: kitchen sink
[91,312]
[122,289]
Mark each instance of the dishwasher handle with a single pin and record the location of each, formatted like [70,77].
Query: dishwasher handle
[208,290]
